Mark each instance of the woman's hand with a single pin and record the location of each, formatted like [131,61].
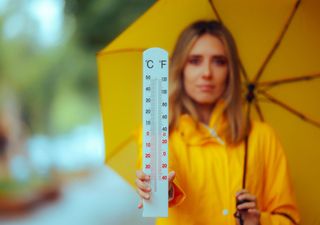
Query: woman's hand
[143,185]
[172,175]
[248,208]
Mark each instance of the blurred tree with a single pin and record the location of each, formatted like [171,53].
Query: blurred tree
[100,21]
[57,84]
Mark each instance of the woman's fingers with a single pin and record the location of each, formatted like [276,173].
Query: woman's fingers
[247,197]
[144,186]
[242,191]
[142,176]
[171,175]
[140,205]
[247,205]
[143,194]
[245,200]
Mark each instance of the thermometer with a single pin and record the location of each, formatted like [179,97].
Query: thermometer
[155,130]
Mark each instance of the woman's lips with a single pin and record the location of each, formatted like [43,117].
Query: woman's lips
[206,87]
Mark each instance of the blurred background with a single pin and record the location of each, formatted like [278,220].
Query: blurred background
[49,100]
[51,142]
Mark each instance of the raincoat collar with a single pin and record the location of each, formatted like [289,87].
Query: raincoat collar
[197,133]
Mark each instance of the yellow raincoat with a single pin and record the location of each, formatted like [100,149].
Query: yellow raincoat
[209,173]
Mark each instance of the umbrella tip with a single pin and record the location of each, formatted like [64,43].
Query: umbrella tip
[250,94]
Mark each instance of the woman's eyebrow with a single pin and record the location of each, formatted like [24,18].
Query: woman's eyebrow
[195,55]
[215,56]
[219,56]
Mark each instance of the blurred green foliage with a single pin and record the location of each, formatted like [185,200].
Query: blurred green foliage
[56,86]
[100,21]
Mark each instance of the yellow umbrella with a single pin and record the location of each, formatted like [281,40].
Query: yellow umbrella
[279,47]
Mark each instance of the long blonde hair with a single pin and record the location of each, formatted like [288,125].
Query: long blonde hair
[181,103]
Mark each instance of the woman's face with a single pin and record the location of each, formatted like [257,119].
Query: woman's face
[206,70]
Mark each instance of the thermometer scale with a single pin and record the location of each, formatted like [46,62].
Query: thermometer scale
[155,130]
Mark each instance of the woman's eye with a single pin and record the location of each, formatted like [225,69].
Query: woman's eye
[194,61]
[220,61]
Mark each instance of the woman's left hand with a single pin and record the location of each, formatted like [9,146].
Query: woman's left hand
[248,208]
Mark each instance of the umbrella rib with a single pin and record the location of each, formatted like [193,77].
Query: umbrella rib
[109,52]
[278,41]
[289,80]
[258,109]
[290,109]
[214,9]
[119,147]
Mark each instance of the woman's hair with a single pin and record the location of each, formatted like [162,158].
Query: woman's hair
[181,103]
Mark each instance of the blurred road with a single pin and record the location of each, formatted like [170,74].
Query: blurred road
[102,198]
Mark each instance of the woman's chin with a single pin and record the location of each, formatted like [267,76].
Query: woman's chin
[206,101]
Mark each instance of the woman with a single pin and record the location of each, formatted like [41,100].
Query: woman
[208,138]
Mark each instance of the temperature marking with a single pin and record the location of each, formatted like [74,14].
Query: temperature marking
[155,130]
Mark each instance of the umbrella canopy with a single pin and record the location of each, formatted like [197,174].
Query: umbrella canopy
[279,46]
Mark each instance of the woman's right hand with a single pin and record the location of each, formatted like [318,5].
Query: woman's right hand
[143,185]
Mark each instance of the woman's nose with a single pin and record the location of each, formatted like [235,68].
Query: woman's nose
[207,71]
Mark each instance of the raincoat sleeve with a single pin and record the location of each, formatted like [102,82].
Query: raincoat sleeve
[178,193]
[279,202]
